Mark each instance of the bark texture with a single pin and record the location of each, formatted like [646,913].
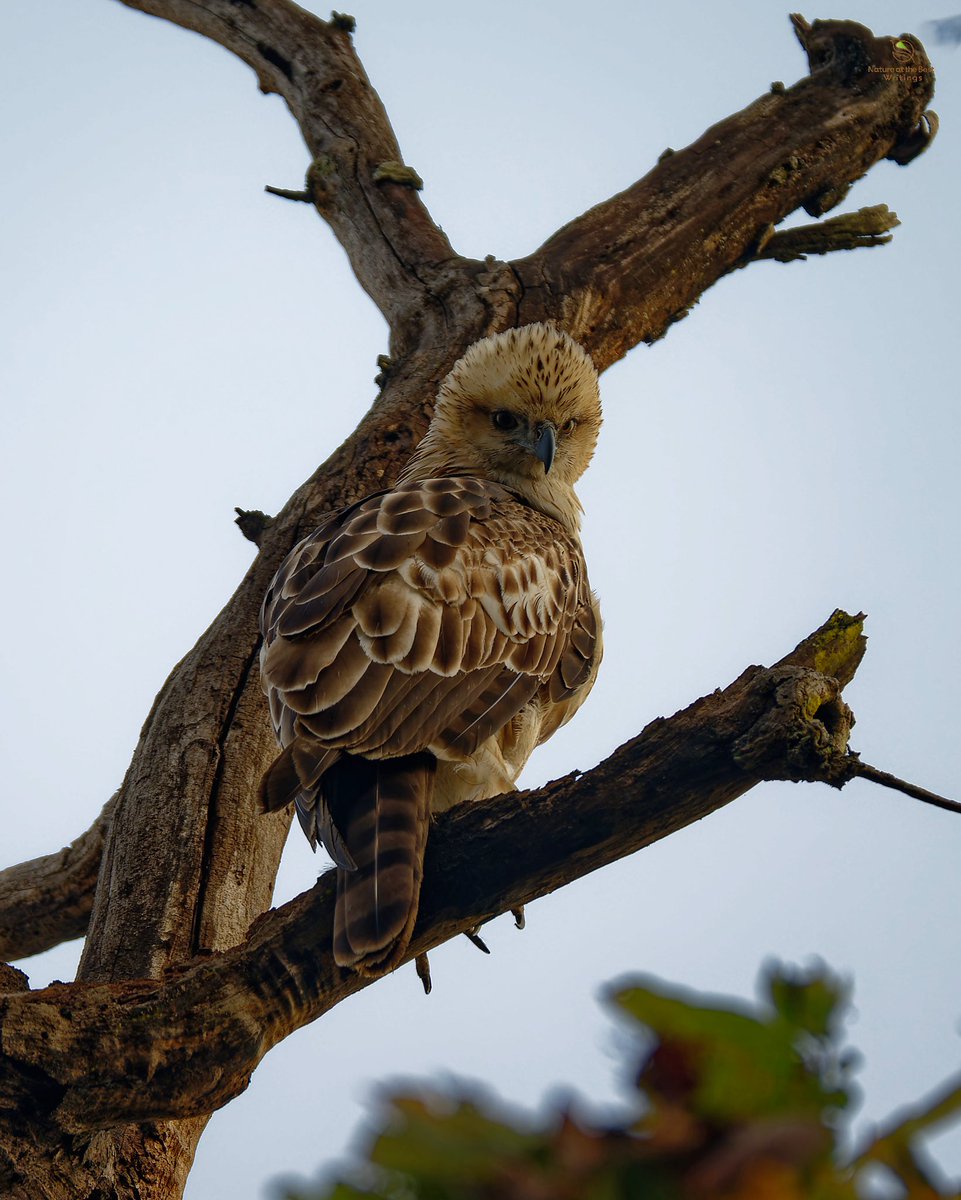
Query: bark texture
[105,1084]
[48,900]
[186,1044]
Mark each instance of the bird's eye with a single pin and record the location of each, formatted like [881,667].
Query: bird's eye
[504,419]
[569,426]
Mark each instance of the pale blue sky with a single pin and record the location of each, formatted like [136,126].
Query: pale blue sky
[175,342]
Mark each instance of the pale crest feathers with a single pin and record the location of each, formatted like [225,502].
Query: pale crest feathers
[538,373]
[538,362]
[421,643]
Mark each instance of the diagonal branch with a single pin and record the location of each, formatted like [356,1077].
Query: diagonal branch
[395,249]
[187,1045]
[48,900]
[624,271]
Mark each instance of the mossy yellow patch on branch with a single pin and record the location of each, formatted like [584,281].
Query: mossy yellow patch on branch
[837,642]
[396,172]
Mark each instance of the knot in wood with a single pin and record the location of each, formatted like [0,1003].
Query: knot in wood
[252,523]
[842,48]
[803,734]
[321,181]
[394,171]
[499,290]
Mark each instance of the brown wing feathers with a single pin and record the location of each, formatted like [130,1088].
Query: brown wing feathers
[414,626]
[421,642]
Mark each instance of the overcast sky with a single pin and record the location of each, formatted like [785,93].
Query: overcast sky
[176,342]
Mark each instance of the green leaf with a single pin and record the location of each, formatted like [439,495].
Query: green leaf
[736,1100]
[813,1000]
[433,1137]
[727,1064]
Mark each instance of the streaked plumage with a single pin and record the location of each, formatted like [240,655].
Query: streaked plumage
[421,643]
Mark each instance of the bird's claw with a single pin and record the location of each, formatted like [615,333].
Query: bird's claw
[473,936]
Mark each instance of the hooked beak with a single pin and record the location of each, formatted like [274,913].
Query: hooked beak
[543,443]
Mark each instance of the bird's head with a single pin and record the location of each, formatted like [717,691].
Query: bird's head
[521,408]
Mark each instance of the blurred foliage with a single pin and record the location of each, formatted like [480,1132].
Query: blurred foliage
[727,1101]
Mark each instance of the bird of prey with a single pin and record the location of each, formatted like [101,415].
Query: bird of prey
[421,643]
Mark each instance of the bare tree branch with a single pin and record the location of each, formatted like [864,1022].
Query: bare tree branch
[627,269]
[48,900]
[869,226]
[865,771]
[188,1044]
[623,272]
[401,258]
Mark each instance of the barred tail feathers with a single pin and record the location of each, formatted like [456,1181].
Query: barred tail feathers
[382,810]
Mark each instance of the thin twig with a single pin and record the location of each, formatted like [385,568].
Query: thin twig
[868,226]
[289,193]
[864,771]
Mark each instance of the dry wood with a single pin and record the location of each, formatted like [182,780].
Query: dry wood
[188,1043]
[48,900]
[185,837]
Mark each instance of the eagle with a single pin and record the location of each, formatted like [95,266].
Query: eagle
[422,642]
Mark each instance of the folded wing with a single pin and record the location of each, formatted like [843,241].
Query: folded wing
[415,626]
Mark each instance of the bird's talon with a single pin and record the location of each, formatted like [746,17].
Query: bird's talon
[422,967]
[519,919]
[473,936]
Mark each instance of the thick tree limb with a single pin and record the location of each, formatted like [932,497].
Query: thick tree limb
[141,1050]
[397,252]
[48,900]
[623,272]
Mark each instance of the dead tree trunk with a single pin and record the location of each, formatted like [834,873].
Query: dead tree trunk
[106,1083]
